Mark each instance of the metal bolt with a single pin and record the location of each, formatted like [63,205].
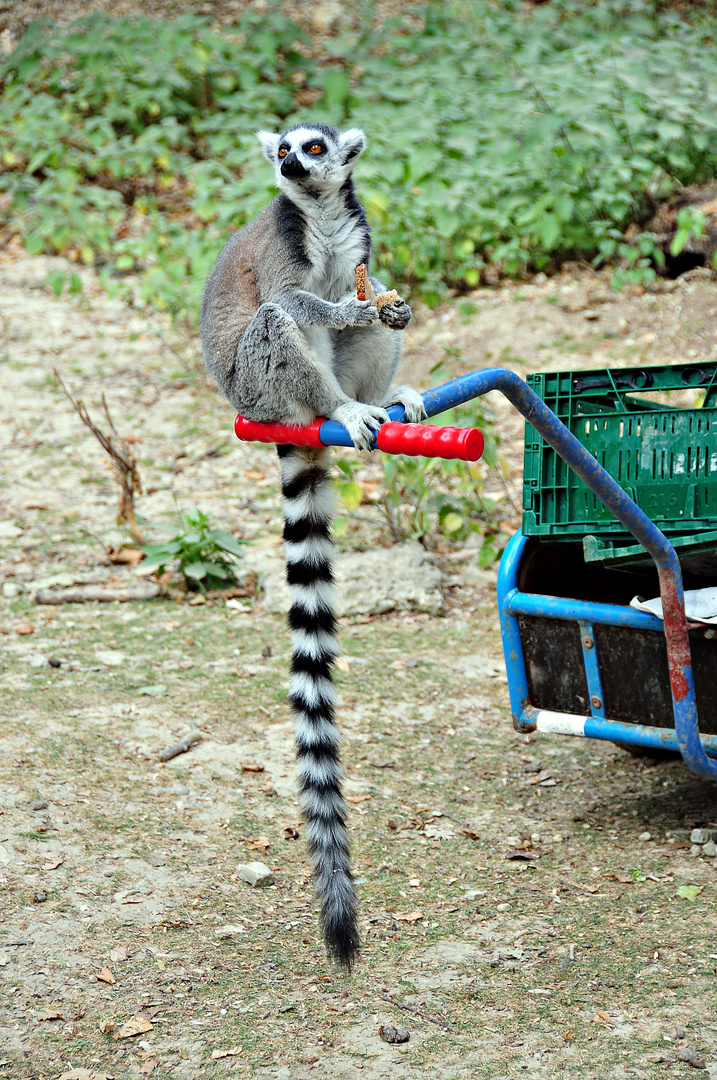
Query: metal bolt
[596,702]
[588,642]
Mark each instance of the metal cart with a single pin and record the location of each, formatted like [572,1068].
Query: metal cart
[562,650]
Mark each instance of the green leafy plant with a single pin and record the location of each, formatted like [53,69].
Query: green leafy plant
[207,558]
[430,497]
[541,134]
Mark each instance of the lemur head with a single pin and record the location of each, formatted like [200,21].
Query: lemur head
[312,157]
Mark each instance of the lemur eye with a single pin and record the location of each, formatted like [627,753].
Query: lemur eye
[316,148]
[283,151]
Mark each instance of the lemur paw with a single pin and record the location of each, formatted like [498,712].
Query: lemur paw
[361,421]
[397,314]
[411,401]
[355,312]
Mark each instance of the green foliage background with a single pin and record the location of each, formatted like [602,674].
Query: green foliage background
[499,133]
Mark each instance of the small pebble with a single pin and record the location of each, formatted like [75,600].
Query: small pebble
[700,836]
[695,850]
[40,804]
[558,838]
[257,874]
[397,1033]
[54,662]
[503,907]
[10,590]
[645,836]
[40,896]
[710,849]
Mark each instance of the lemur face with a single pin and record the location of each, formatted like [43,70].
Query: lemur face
[312,156]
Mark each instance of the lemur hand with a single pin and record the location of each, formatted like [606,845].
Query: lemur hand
[353,312]
[396,314]
[361,421]
[411,401]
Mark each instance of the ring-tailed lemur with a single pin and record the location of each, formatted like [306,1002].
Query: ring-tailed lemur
[287,340]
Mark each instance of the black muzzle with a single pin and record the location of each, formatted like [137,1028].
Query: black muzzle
[292,168]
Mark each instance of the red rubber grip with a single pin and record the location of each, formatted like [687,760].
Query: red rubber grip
[428,440]
[283,434]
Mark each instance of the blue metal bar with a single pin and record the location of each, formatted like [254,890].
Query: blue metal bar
[512,645]
[592,668]
[555,607]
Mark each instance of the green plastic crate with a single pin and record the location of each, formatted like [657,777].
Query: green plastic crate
[664,456]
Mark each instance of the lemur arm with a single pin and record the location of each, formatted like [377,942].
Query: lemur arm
[306,309]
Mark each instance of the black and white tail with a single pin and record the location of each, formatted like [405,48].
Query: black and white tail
[308,513]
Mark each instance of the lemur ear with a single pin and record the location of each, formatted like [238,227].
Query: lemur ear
[351,144]
[270,144]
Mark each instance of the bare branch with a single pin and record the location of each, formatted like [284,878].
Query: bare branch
[125,466]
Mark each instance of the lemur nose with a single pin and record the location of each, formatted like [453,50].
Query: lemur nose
[292,167]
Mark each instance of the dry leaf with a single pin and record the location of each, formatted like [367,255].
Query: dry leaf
[129,556]
[50,1014]
[260,844]
[358,798]
[248,767]
[107,1027]
[602,1017]
[234,1052]
[138,1025]
[149,1066]
[409,917]
[118,954]
[254,474]
[442,831]
[342,664]
[105,975]
[24,629]
[523,853]
[53,862]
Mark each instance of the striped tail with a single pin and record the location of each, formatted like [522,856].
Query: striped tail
[308,512]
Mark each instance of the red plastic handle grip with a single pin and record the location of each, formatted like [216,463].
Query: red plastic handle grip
[428,440]
[283,434]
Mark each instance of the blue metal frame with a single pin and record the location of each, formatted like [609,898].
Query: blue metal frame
[686,733]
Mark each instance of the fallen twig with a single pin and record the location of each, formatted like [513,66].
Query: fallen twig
[439,1020]
[125,466]
[84,594]
[181,747]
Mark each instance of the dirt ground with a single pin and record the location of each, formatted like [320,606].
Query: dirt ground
[129,946]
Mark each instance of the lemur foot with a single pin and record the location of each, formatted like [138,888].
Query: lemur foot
[411,401]
[397,314]
[361,421]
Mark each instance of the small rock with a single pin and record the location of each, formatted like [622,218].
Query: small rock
[591,315]
[710,849]
[558,838]
[644,837]
[502,907]
[695,850]
[700,836]
[397,1033]
[230,930]
[39,804]
[10,590]
[257,874]
[473,894]
[40,896]
[54,662]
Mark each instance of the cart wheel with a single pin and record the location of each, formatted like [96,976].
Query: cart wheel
[650,752]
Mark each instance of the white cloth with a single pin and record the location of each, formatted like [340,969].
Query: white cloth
[700,605]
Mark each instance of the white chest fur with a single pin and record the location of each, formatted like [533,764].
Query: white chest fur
[334,242]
